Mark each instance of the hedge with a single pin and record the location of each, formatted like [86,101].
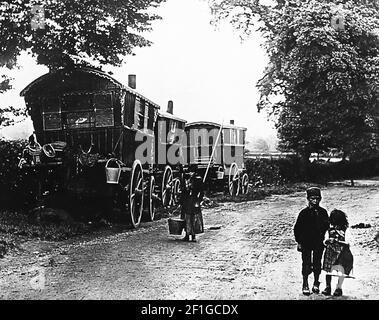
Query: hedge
[11,190]
[284,170]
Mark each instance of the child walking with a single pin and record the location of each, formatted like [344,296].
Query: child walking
[192,195]
[310,228]
[337,257]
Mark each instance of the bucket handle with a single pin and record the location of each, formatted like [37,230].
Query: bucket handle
[115,160]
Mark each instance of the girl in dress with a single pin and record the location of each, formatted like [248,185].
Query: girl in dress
[338,257]
[192,195]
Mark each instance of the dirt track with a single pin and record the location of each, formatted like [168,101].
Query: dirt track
[247,252]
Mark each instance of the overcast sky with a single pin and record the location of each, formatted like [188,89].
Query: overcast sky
[208,73]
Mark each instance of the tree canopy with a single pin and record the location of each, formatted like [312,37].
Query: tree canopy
[59,32]
[63,33]
[321,82]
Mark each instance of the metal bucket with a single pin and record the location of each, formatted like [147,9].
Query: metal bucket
[112,173]
[220,175]
[176,225]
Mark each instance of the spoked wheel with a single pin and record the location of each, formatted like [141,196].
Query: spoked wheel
[150,203]
[245,184]
[176,191]
[233,180]
[136,194]
[167,183]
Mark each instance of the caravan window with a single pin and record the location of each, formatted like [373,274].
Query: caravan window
[139,109]
[103,110]
[51,113]
[88,110]
[79,112]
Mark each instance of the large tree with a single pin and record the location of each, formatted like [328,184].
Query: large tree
[321,83]
[60,33]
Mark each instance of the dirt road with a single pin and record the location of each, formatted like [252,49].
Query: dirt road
[247,252]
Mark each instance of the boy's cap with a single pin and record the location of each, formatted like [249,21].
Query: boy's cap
[313,192]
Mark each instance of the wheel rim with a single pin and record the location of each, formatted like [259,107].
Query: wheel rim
[233,184]
[176,192]
[136,194]
[245,183]
[151,207]
[167,187]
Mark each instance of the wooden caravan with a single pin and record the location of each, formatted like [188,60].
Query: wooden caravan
[97,137]
[169,142]
[216,152]
[100,135]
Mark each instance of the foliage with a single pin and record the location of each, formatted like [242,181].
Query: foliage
[263,172]
[10,176]
[60,33]
[286,171]
[17,224]
[8,114]
[261,145]
[321,81]
[10,154]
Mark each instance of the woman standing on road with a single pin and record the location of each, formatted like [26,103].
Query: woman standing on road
[192,195]
[338,256]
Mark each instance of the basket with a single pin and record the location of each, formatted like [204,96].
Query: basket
[112,174]
[176,225]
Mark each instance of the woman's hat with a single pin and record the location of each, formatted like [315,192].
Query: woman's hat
[313,192]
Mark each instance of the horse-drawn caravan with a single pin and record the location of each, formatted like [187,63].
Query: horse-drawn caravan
[97,137]
[216,152]
[93,126]
[169,154]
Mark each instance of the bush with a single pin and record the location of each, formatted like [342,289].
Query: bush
[289,170]
[10,175]
[263,172]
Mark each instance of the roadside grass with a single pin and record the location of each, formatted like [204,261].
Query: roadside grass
[20,224]
[17,226]
[263,192]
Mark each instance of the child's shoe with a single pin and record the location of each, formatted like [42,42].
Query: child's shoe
[337,292]
[306,291]
[316,288]
[327,291]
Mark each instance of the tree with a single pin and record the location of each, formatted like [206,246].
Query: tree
[59,33]
[261,145]
[63,33]
[7,114]
[320,85]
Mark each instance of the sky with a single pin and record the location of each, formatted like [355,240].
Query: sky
[208,72]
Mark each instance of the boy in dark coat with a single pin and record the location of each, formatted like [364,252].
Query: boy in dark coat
[310,228]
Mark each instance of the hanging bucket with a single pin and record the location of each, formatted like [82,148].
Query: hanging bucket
[112,173]
[220,174]
[176,226]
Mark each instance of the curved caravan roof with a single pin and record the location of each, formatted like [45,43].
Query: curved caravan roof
[212,124]
[62,74]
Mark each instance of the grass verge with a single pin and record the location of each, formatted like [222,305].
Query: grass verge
[17,227]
